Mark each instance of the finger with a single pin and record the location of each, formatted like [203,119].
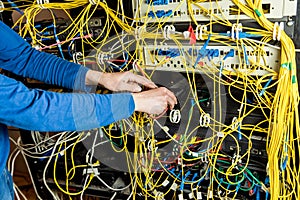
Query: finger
[171,95]
[171,102]
[131,87]
[143,81]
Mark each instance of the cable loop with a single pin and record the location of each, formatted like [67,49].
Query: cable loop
[204,120]
[168,30]
[199,31]
[175,116]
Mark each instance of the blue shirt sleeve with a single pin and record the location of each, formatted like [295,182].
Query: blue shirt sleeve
[17,56]
[49,111]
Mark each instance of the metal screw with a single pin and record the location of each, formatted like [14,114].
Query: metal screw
[290,23]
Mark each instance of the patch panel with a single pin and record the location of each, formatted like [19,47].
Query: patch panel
[202,11]
[195,59]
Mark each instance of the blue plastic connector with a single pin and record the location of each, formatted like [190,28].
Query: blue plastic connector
[168,13]
[265,87]
[229,54]
[157,2]
[160,14]
[257,193]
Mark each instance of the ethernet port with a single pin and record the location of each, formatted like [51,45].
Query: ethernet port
[266,8]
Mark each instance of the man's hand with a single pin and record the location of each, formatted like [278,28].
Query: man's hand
[154,101]
[118,82]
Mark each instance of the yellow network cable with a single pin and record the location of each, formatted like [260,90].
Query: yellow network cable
[279,110]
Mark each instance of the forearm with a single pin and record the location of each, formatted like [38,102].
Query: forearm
[49,111]
[19,57]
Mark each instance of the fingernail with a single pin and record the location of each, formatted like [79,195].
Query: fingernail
[138,89]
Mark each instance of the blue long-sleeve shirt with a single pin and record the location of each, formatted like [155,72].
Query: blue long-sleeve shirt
[39,110]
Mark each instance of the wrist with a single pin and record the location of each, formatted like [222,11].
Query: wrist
[136,97]
[93,77]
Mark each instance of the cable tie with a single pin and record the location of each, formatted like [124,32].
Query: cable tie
[274,30]
[180,196]
[165,183]
[232,31]
[235,30]
[220,134]
[257,12]
[137,32]
[199,195]
[191,195]
[134,66]
[204,158]
[233,159]
[278,27]
[40,3]
[285,65]
[1,6]
[103,57]
[151,144]
[294,79]
[210,194]
[201,119]
[174,186]
[159,195]
[207,116]
[76,56]
[199,31]
[234,123]
[100,58]
[290,66]
[93,2]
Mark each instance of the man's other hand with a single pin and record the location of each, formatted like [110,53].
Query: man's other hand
[154,101]
[119,81]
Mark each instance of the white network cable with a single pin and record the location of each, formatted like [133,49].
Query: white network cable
[47,165]
[13,163]
[167,132]
[109,187]
[132,190]
[29,153]
[31,178]
[16,193]
[84,185]
[49,160]
[113,196]
[17,190]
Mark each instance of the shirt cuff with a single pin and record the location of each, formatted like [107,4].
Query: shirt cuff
[79,82]
[114,107]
